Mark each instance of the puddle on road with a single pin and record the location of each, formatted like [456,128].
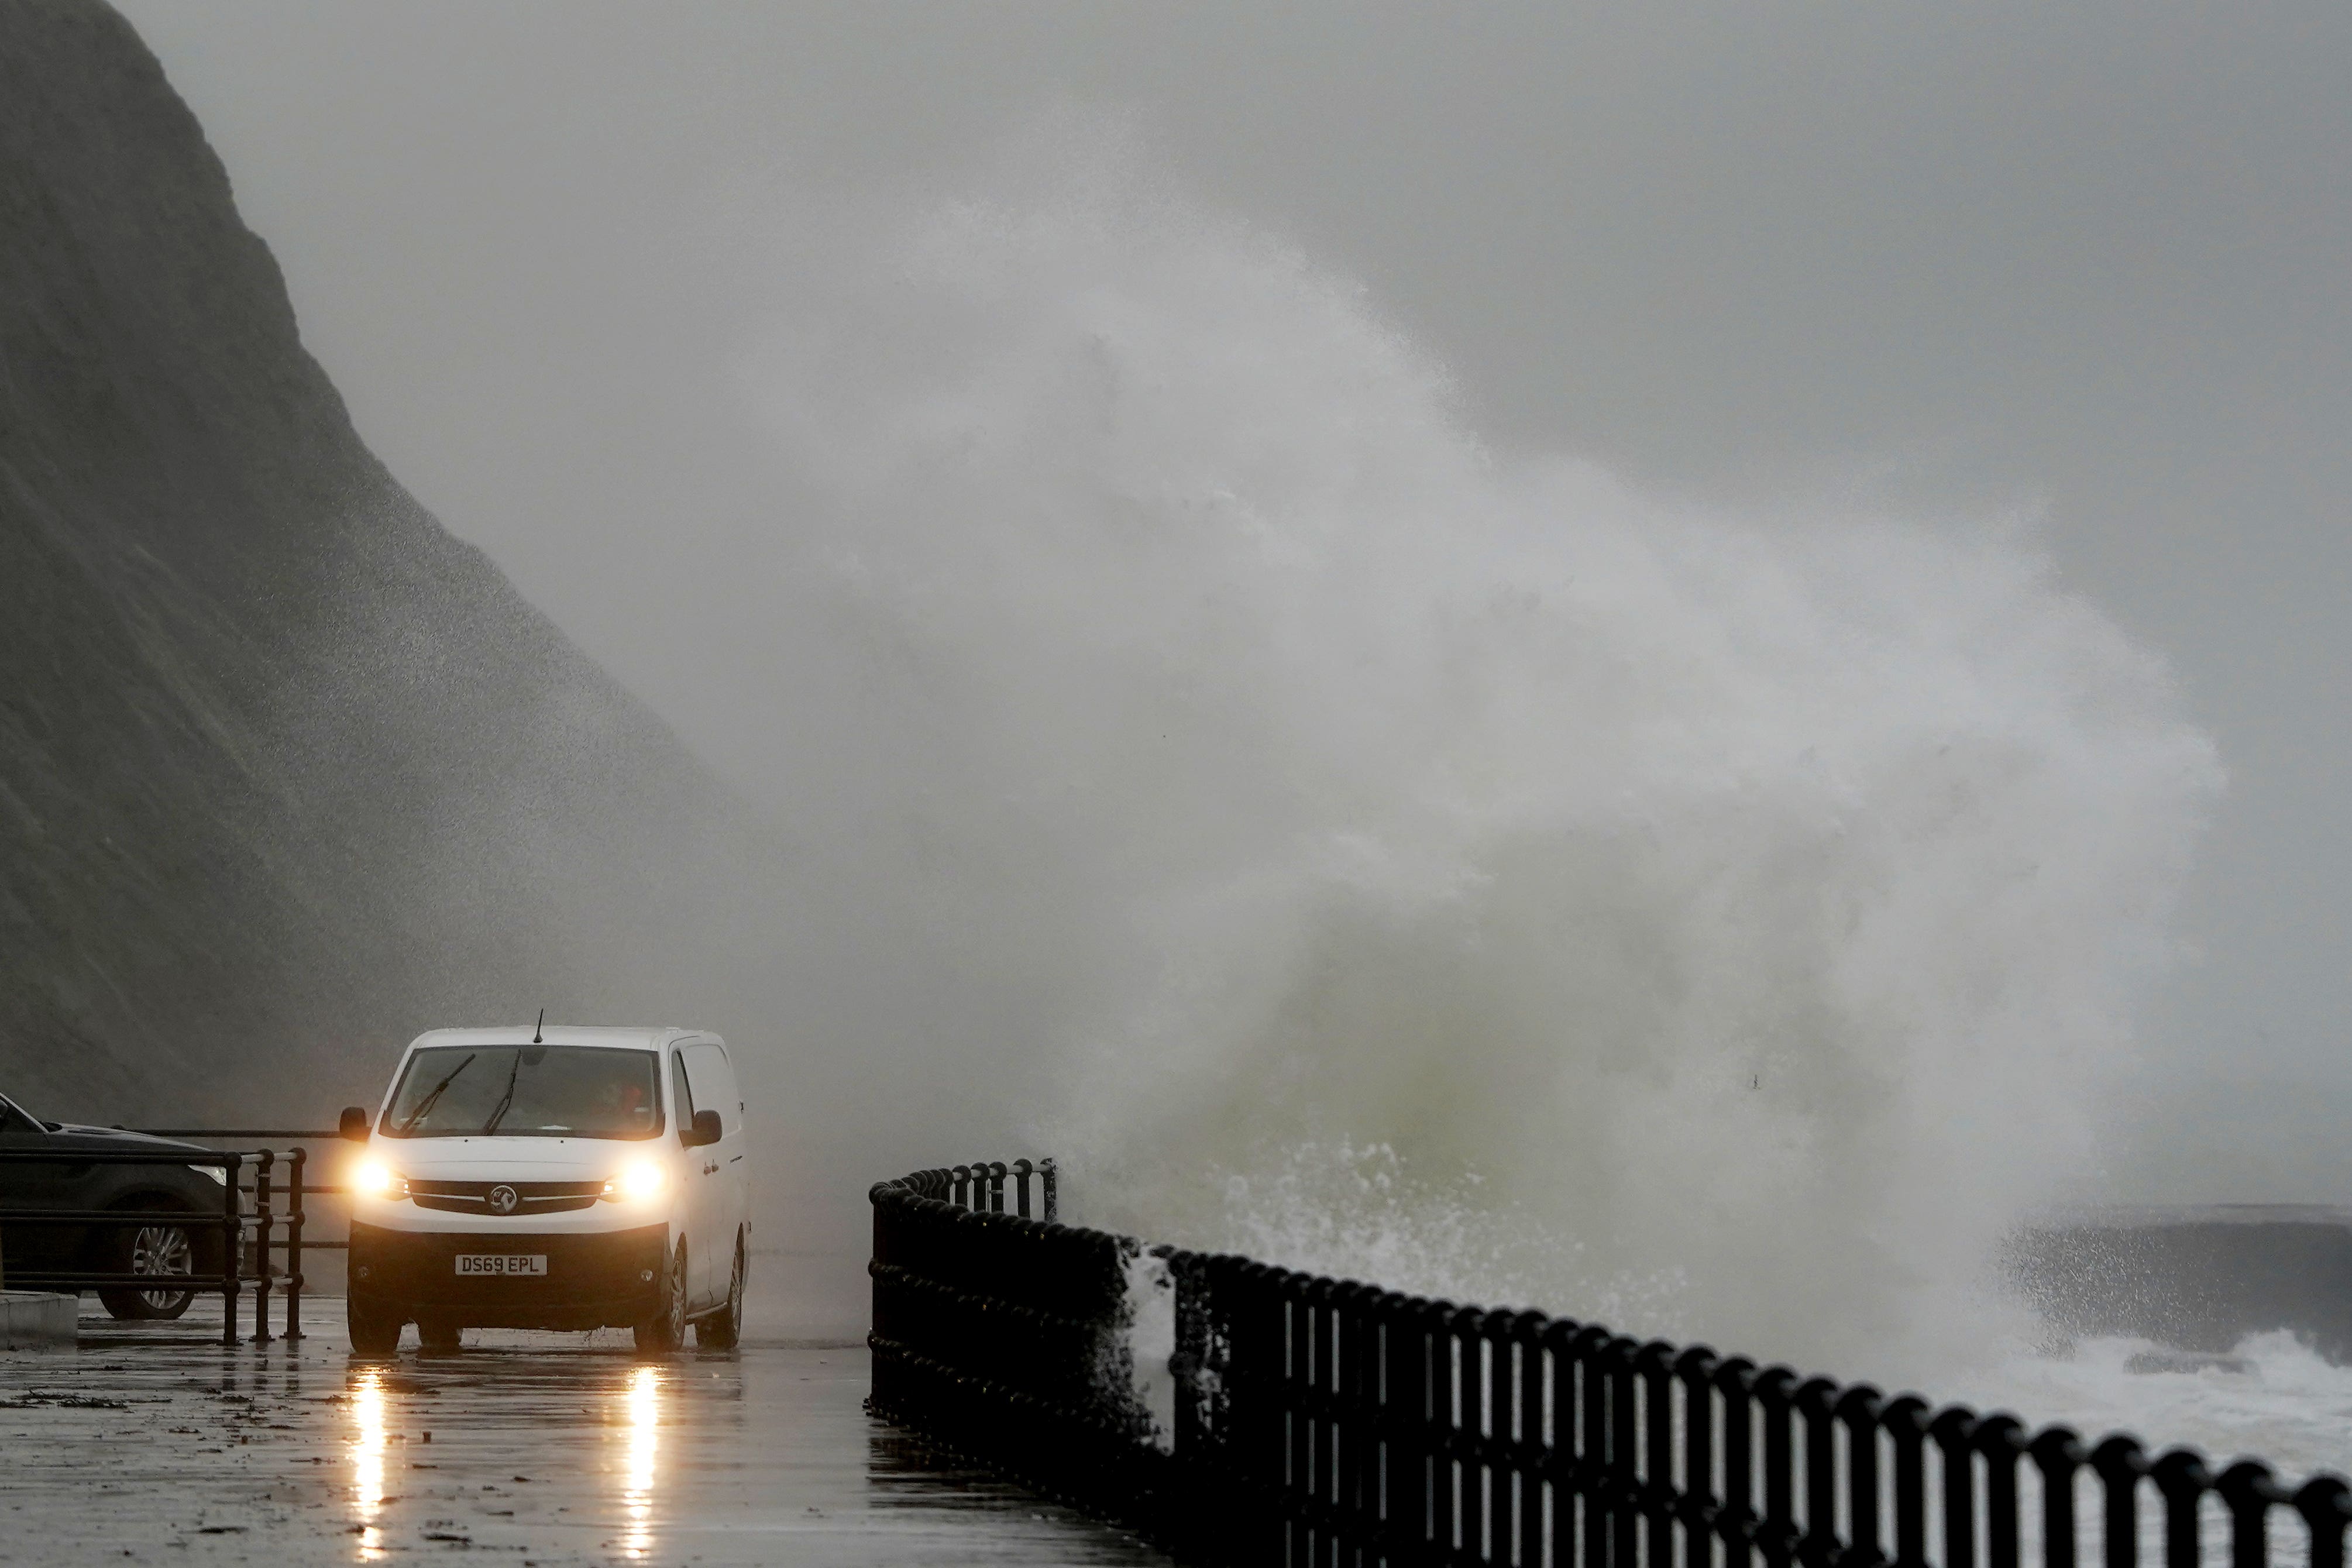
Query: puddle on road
[542,1449]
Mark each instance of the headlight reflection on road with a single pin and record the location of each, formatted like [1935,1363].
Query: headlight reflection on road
[367,1459]
[643,1399]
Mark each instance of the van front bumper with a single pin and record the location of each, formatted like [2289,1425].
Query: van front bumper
[606,1279]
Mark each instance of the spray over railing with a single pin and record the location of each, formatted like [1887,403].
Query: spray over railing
[1329,1422]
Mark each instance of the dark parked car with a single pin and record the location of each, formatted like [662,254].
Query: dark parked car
[29,1253]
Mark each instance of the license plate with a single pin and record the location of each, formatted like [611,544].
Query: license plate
[501,1263]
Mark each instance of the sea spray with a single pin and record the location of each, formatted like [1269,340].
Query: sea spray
[1407,859]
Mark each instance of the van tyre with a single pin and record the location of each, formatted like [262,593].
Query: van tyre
[375,1328]
[665,1330]
[160,1250]
[721,1330]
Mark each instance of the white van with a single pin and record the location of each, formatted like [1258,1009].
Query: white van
[546,1177]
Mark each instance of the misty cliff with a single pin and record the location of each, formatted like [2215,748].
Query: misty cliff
[287,770]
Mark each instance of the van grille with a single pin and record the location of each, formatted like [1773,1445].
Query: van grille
[534,1197]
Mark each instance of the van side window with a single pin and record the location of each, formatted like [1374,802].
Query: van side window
[714,1085]
[682,1094]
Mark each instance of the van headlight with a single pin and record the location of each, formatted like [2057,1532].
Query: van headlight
[215,1171]
[641,1180]
[372,1178]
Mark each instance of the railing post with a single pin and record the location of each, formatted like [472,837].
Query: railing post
[1655,1373]
[2181,1478]
[1951,1429]
[1777,1529]
[1466,1337]
[1020,1169]
[2120,1465]
[2324,1503]
[1819,1545]
[1594,1482]
[1410,1424]
[1439,1432]
[996,1187]
[2060,1454]
[296,1212]
[1301,1406]
[1625,1454]
[1736,1522]
[232,1241]
[1053,1207]
[1258,1410]
[1906,1420]
[2001,1439]
[1694,1369]
[1564,1468]
[1861,1409]
[2248,1491]
[1538,1447]
[1354,1481]
[263,1170]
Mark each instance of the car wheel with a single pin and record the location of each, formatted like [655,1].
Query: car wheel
[721,1330]
[375,1328]
[160,1251]
[440,1335]
[665,1330]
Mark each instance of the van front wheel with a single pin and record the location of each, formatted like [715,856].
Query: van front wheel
[665,1330]
[375,1328]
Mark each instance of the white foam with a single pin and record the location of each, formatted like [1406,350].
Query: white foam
[1407,859]
[2272,1398]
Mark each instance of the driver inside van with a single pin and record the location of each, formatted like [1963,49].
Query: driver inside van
[621,1106]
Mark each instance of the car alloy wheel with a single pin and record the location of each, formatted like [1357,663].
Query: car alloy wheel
[163,1250]
[155,1252]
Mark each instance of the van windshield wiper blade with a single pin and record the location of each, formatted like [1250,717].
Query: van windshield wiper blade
[506,1101]
[426,1104]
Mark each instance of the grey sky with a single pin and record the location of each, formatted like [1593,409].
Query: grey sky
[2095,255]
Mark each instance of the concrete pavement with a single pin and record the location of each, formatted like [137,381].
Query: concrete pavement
[154,1444]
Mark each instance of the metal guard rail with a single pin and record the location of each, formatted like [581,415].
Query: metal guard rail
[1327,1422]
[230,1226]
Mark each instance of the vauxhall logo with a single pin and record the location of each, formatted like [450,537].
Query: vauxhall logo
[503,1200]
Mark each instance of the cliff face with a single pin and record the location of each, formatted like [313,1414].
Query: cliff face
[286,771]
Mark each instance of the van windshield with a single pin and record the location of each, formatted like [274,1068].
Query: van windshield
[527,1091]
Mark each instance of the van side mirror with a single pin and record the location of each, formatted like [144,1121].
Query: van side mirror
[355,1124]
[705,1130]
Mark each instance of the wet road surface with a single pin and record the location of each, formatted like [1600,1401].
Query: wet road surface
[154,1444]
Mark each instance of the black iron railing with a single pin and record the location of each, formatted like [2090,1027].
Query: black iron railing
[225,1227]
[267,1211]
[1328,1423]
[267,1218]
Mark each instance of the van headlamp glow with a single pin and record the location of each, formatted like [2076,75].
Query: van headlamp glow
[374,1179]
[641,1180]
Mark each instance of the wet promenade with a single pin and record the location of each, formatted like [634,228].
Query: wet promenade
[159,1446]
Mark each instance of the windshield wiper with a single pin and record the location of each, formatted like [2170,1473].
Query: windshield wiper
[506,1101]
[425,1104]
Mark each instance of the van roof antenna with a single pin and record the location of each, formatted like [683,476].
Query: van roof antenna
[539,1028]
